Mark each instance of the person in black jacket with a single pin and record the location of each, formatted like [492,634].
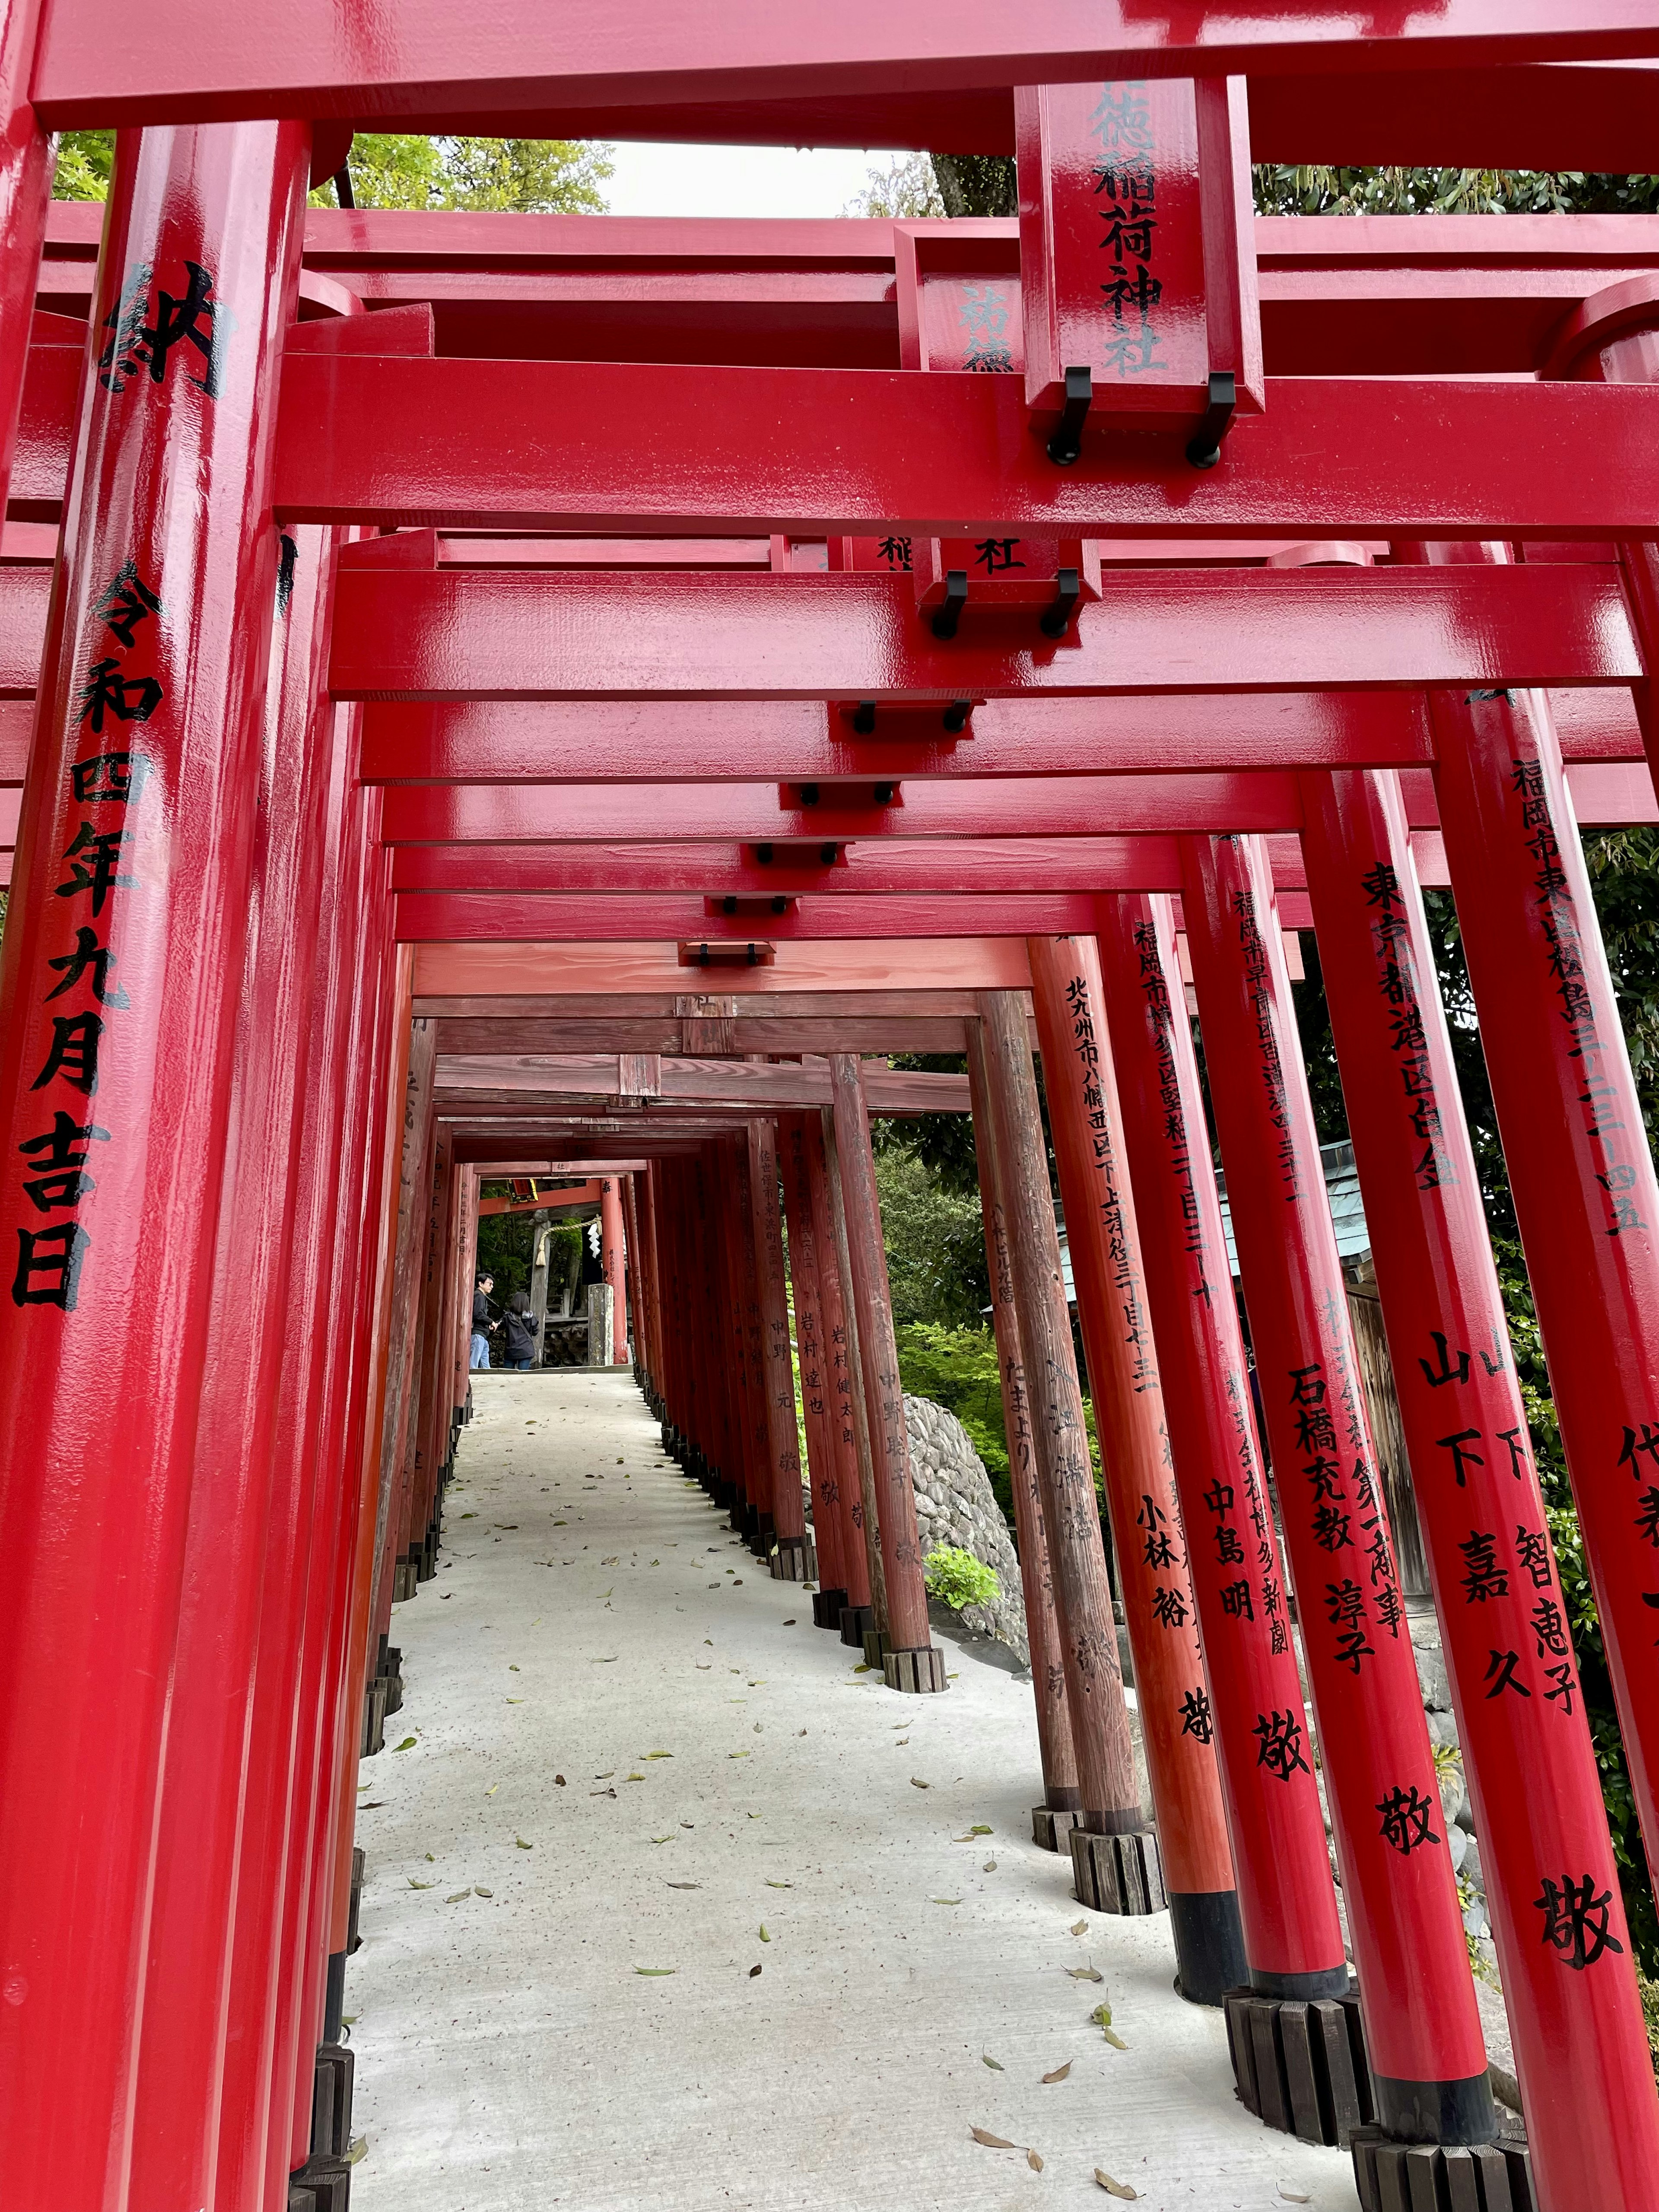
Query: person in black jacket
[520,1340]
[482,1324]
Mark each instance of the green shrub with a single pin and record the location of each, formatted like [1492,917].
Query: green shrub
[958,1578]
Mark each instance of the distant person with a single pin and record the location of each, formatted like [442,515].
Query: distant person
[482,1324]
[518,1341]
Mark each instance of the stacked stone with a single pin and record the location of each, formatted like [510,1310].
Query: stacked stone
[957,1507]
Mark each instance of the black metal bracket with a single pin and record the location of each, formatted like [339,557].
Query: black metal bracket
[808,793]
[1204,449]
[763,854]
[1068,590]
[945,618]
[864,718]
[957,715]
[1066,443]
[827,854]
[882,794]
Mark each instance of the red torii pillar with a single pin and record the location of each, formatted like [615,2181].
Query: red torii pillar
[1575,2015]
[1292,1935]
[818,1409]
[119,1002]
[221,1628]
[1176,1717]
[1422,2032]
[1124,1873]
[911,1660]
[1580,1167]
[849,1431]
[1062,1801]
[614,1266]
[791,1548]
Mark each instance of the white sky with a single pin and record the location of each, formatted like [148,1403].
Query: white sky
[753,180]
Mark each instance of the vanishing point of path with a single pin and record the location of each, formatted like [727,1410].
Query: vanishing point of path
[585,2027]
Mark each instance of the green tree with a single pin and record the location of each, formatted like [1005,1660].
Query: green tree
[976,184]
[906,190]
[935,1244]
[402,169]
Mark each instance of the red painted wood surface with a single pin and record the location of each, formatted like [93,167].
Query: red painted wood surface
[1581,2049]
[100,1475]
[1286,1900]
[1404,1925]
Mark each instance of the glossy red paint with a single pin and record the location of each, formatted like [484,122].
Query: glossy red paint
[1153,1570]
[1583,1177]
[175,481]
[1404,1923]
[1286,1900]
[26,166]
[611,1249]
[1580,2046]
[658,448]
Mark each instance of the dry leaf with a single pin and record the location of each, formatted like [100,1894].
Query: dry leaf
[522,1845]
[1102,2016]
[753,1971]
[1293,2196]
[1034,2161]
[995,2064]
[668,1839]
[656,1971]
[482,1892]
[359,2150]
[989,1866]
[1117,2188]
[991,2142]
[685,1885]
[515,1701]
[421,1885]
[493,1787]
[945,1900]
[1114,2039]
[917,1784]
[1060,2072]
[1086,1973]
[648,1756]
[601,1793]
[458,1897]
[1080,1928]
[559,1781]
[770,1884]
[736,1754]
[430,1860]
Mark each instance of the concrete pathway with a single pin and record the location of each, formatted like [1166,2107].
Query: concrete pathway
[557,2003]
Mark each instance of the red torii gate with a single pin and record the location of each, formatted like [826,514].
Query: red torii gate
[140,847]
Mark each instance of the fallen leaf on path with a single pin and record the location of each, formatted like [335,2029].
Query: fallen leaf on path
[1086,1973]
[408,1744]
[916,1783]
[1293,2196]
[736,1754]
[459,1896]
[633,1778]
[601,1793]
[610,1661]
[421,1885]
[515,1701]
[789,1624]
[1117,2188]
[558,1781]
[945,1900]
[1034,2161]
[656,1754]
[655,1972]
[1080,1928]
[764,1937]
[482,1892]
[989,1866]
[862,1669]
[668,1839]
[770,1884]
[522,1845]
[1060,2072]
[995,2064]
[493,1787]
[359,2150]
[753,1971]
[511,1670]
[607,1776]
[685,1885]
[1114,2038]
[1102,2016]
[991,2142]
[429,1859]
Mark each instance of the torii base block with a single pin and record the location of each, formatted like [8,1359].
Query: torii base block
[1052,1824]
[1396,2176]
[1300,2066]
[794,1559]
[1118,1873]
[827,1607]
[919,1672]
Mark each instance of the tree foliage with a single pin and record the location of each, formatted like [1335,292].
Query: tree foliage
[905,190]
[401,169]
[935,1244]
[976,184]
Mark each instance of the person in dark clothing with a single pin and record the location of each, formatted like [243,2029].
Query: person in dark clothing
[482,1323]
[520,1339]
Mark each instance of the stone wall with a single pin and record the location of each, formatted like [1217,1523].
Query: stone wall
[955,1506]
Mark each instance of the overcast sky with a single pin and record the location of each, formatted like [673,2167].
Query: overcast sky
[762,180]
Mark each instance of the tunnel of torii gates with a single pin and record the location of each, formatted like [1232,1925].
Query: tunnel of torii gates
[523,696]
